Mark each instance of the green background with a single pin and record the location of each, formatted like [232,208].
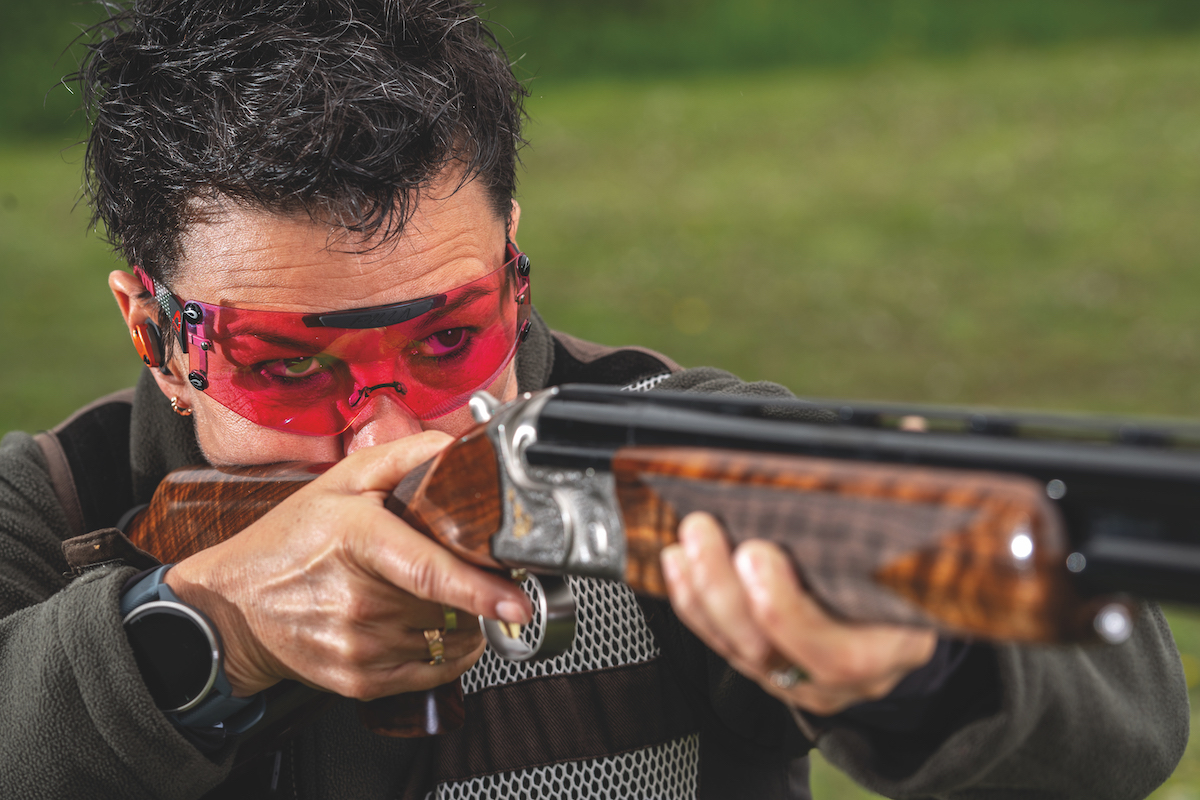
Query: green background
[925,201]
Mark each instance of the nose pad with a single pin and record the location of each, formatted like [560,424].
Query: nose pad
[365,392]
[383,418]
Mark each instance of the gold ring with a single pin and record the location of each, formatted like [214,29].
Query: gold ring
[787,678]
[450,618]
[436,645]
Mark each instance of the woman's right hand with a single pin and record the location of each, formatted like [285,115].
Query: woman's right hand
[331,589]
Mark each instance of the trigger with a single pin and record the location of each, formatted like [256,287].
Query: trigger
[550,633]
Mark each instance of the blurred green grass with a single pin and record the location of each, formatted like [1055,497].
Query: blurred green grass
[61,341]
[556,40]
[1011,228]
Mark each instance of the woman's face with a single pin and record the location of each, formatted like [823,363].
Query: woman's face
[254,260]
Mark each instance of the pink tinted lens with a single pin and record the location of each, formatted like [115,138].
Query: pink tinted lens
[286,371]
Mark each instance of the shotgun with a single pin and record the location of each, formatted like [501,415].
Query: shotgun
[996,525]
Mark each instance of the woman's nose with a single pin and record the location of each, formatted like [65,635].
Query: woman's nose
[385,419]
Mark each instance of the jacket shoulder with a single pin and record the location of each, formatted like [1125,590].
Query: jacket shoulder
[580,361]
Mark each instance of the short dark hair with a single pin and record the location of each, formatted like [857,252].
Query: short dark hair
[342,109]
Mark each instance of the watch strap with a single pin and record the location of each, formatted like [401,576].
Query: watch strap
[219,706]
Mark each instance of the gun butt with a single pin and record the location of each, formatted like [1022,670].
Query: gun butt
[197,507]
[194,508]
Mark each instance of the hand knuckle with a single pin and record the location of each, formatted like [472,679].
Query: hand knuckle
[878,690]
[359,610]
[357,686]
[756,651]
[856,665]
[771,617]
[348,651]
[822,705]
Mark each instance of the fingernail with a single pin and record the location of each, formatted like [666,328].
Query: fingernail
[691,534]
[749,564]
[512,612]
[671,557]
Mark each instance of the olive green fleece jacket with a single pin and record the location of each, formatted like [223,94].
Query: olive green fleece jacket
[1102,722]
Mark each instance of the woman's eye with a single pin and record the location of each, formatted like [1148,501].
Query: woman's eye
[446,341]
[295,367]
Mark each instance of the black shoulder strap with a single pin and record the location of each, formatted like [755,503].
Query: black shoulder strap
[88,456]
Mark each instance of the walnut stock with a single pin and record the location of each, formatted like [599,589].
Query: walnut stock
[197,507]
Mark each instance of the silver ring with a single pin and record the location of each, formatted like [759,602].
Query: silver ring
[787,678]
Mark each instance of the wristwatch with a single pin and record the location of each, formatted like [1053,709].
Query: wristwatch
[178,652]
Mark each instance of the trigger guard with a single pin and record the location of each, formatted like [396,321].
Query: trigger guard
[550,633]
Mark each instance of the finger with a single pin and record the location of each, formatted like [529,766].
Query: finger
[413,562]
[719,589]
[865,660]
[460,644]
[415,675]
[420,615]
[684,593]
[383,651]
[420,646]
[430,572]
[798,628]
[421,675]
[776,598]
[717,592]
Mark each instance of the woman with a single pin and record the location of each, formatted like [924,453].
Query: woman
[317,201]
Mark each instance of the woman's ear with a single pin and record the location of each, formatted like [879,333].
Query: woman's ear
[149,341]
[514,220]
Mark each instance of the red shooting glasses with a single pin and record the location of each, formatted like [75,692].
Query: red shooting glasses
[316,373]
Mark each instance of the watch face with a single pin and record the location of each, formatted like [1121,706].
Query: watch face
[174,654]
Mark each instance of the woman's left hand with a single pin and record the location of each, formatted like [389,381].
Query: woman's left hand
[749,607]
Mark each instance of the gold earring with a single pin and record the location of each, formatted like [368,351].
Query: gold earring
[182,411]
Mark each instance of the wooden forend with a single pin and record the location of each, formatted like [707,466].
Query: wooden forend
[975,553]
